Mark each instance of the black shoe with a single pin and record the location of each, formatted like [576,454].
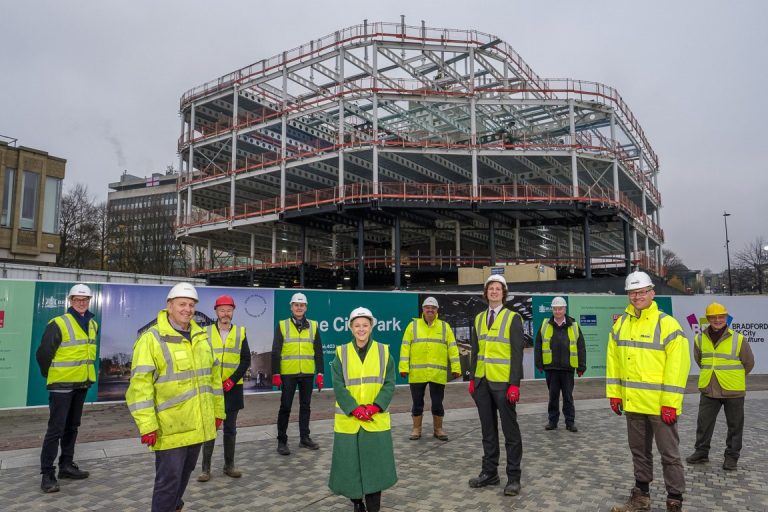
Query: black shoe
[359,506]
[178,508]
[730,464]
[484,479]
[49,483]
[307,442]
[70,470]
[512,488]
[572,427]
[282,449]
[697,458]
[550,426]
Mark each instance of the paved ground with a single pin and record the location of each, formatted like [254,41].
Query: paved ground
[586,471]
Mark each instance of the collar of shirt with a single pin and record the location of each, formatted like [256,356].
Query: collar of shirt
[496,310]
[300,324]
[564,322]
[82,320]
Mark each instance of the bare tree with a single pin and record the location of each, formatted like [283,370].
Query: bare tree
[673,263]
[79,229]
[753,261]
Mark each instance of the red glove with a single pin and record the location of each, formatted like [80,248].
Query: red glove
[472,387]
[227,384]
[219,421]
[541,370]
[372,409]
[277,381]
[361,413]
[668,415]
[616,405]
[404,374]
[580,372]
[149,439]
[513,394]
[319,381]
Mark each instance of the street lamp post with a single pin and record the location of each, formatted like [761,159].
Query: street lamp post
[728,252]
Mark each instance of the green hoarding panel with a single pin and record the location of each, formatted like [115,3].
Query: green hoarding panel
[15,331]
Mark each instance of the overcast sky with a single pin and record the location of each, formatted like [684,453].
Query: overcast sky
[98,83]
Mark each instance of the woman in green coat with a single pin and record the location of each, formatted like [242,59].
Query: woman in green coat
[363,462]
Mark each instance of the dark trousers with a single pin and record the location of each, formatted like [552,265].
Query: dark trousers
[436,393]
[709,408]
[560,382]
[642,429]
[492,404]
[230,423]
[172,470]
[290,382]
[66,409]
[372,502]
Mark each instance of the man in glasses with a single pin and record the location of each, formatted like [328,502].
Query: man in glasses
[66,356]
[648,360]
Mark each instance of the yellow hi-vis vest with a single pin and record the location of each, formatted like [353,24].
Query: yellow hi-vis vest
[547,330]
[647,361]
[495,349]
[74,362]
[723,360]
[228,350]
[426,351]
[298,354]
[175,386]
[363,380]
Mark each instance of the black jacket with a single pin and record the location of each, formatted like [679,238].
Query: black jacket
[560,346]
[277,346]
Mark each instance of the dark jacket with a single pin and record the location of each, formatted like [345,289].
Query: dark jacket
[561,350]
[277,346]
[233,399]
[51,340]
[517,338]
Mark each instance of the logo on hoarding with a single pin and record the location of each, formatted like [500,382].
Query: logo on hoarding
[53,303]
[698,324]
[341,324]
[255,305]
[588,320]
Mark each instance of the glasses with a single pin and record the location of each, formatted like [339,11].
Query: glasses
[639,293]
[83,300]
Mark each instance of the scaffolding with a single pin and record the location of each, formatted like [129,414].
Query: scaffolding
[385,144]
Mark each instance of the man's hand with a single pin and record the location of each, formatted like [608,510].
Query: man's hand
[668,415]
[361,414]
[404,374]
[149,439]
[277,381]
[455,375]
[319,381]
[219,421]
[616,405]
[513,394]
[579,372]
[227,384]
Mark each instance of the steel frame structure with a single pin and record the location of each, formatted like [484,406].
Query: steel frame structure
[383,144]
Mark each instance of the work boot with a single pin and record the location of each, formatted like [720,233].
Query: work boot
[730,464]
[674,505]
[205,474]
[49,482]
[637,502]
[70,470]
[229,457]
[416,431]
[550,426]
[572,428]
[179,507]
[373,502]
[437,422]
[484,479]
[282,448]
[307,442]
[697,457]
[359,505]
[512,488]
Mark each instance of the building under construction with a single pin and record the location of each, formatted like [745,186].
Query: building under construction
[387,154]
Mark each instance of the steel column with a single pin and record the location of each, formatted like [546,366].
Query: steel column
[360,258]
[587,253]
[627,253]
[397,253]
[492,240]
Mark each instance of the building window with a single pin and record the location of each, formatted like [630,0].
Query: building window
[7,213]
[29,188]
[51,205]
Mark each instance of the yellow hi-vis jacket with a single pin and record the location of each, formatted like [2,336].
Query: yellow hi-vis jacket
[75,359]
[175,386]
[298,353]
[227,351]
[494,346]
[724,360]
[547,330]
[363,380]
[648,360]
[426,351]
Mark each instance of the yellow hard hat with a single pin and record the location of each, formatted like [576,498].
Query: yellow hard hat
[716,309]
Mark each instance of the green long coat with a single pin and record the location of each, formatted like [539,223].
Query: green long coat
[362,463]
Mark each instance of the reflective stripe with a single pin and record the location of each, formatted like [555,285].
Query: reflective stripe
[178,399]
[365,380]
[405,359]
[672,336]
[72,363]
[311,358]
[639,344]
[144,404]
[712,355]
[454,359]
[176,376]
[494,360]
[339,411]
[646,385]
[232,350]
[143,369]
[73,340]
[435,366]
[230,365]
[72,343]
[726,367]
[428,340]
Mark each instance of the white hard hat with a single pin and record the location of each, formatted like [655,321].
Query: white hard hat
[299,298]
[430,301]
[80,290]
[559,302]
[183,290]
[637,280]
[497,278]
[361,312]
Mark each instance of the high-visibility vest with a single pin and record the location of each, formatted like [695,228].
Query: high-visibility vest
[298,354]
[175,387]
[724,360]
[495,346]
[547,330]
[648,359]
[426,351]
[363,380]
[74,362]
[228,350]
